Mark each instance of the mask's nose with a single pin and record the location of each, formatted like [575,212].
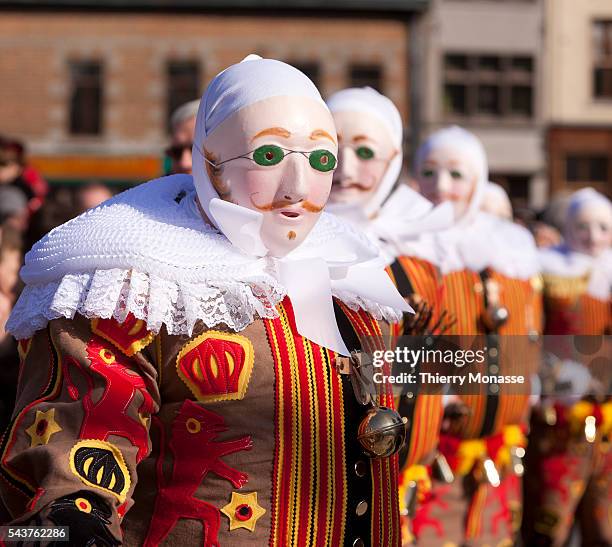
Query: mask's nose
[294,186]
[346,172]
[443,182]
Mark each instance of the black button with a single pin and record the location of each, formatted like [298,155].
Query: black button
[361,468]
[362,508]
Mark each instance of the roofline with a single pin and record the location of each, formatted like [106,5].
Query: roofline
[230,7]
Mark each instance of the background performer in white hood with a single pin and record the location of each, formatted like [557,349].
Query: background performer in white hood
[569,463]
[490,272]
[364,191]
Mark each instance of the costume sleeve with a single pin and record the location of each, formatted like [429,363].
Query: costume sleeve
[86,392]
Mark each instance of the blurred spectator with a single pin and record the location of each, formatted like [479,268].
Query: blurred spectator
[545,235]
[556,212]
[14,208]
[91,195]
[58,208]
[182,124]
[549,226]
[11,256]
[15,172]
[11,249]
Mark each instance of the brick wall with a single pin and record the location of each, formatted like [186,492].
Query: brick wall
[35,49]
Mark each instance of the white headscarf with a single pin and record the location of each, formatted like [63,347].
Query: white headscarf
[495,194]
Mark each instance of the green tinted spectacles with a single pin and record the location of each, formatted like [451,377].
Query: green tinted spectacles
[271,154]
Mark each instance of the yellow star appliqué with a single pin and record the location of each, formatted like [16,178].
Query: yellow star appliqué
[243,511]
[43,427]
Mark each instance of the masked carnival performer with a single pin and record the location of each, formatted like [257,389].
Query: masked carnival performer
[569,461]
[369,163]
[179,379]
[496,201]
[491,286]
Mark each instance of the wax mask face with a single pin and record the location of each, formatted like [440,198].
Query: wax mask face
[590,230]
[365,151]
[289,189]
[447,175]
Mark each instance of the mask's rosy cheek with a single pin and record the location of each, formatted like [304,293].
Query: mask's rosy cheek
[262,185]
[370,174]
[319,188]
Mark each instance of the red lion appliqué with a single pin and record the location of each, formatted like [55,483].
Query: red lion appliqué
[195,454]
[108,415]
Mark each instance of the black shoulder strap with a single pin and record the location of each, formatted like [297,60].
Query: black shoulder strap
[492,361]
[346,329]
[402,281]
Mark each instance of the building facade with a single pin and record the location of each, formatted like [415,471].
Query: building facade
[578,91]
[89,86]
[481,67]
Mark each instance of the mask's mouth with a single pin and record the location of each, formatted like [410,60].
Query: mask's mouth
[290,214]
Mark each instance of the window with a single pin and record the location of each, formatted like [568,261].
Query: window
[366,75]
[488,86]
[85,97]
[602,66]
[583,168]
[183,85]
[516,186]
[311,70]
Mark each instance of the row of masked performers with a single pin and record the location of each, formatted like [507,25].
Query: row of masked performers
[472,274]
[192,351]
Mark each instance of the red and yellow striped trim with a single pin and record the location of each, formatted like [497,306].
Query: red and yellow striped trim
[426,282]
[595,315]
[426,422]
[309,495]
[462,297]
[473,521]
[384,471]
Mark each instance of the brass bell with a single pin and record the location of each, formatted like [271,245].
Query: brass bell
[382,432]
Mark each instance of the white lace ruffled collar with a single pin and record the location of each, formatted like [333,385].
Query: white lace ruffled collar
[145,253]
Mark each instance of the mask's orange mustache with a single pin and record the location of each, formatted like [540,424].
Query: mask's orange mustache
[357,185]
[280,204]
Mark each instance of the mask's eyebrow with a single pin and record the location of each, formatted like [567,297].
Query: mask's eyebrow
[358,138]
[276,131]
[321,133]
